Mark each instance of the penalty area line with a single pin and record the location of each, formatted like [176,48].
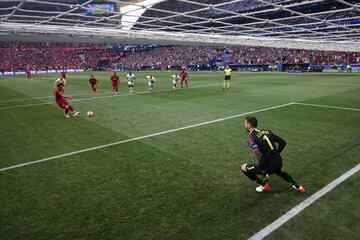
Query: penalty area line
[304,204]
[119,95]
[141,137]
[327,106]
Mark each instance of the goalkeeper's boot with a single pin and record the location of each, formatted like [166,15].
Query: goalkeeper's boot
[300,189]
[264,188]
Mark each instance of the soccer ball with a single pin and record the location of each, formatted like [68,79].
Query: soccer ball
[90,114]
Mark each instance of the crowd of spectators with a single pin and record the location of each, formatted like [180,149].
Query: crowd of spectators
[49,56]
[52,56]
[162,57]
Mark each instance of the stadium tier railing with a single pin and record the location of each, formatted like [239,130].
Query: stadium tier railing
[39,71]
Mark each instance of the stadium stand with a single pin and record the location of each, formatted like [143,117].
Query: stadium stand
[48,56]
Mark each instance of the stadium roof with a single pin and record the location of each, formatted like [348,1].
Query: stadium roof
[317,24]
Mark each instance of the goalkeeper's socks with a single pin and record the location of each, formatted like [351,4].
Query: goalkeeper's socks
[296,185]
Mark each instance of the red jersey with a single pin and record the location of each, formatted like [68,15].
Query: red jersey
[28,72]
[59,97]
[115,79]
[183,75]
[92,81]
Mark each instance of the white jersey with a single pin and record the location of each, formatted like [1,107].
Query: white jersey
[130,78]
[174,78]
[59,81]
[150,80]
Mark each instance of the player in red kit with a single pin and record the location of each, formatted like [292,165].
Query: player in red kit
[28,74]
[60,99]
[93,82]
[63,74]
[184,76]
[115,80]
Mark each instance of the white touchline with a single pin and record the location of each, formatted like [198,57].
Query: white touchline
[304,204]
[141,137]
[52,96]
[311,83]
[327,106]
[260,81]
[113,95]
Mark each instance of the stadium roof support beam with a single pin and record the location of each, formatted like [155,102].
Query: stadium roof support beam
[193,27]
[301,14]
[206,20]
[260,20]
[14,11]
[71,10]
[220,20]
[298,16]
[56,33]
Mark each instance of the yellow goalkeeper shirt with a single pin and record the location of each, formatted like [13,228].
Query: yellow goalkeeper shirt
[227,71]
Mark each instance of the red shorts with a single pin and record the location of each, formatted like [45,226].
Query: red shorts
[28,75]
[115,84]
[62,103]
[93,86]
[184,79]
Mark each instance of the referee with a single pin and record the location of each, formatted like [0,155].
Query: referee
[227,73]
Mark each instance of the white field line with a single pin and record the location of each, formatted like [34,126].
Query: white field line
[246,81]
[307,202]
[52,96]
[310,83]
[119,95]
[327,106]
[140,138]
[75,95]
[304,204]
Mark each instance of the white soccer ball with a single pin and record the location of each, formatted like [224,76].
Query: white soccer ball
[90,114]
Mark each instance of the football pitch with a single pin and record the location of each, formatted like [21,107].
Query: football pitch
[166,165]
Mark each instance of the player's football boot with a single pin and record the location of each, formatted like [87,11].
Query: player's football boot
[301,189]
[264,188]
[66,115]
[76,114]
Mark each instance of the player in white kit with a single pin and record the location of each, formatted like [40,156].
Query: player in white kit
[174,79]
[151,81]
[131,80]
[59,81]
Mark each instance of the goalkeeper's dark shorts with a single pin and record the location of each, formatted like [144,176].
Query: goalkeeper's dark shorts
[227,78]
[255,168]
[271,166]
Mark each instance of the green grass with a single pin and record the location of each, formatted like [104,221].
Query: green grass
[179,185]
